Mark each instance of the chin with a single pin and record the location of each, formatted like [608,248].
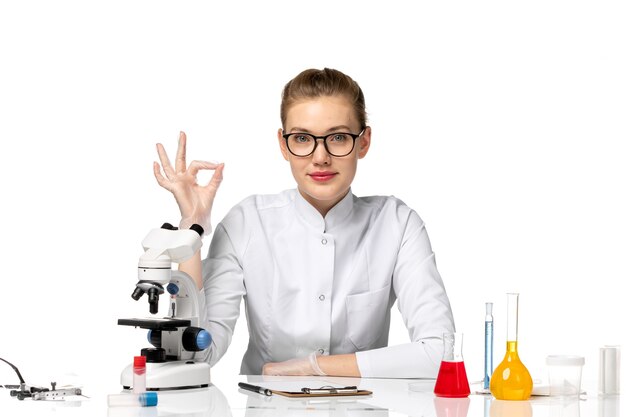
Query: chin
[322,193]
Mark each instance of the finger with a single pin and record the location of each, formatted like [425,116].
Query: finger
[216,180]
[165,161]
[180,163]
[160,179]
[217,177]
[196,166]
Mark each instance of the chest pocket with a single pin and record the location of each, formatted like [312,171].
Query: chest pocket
[366,314]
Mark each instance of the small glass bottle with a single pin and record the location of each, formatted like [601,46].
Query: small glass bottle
[452,379]
[511,380]
[139,375]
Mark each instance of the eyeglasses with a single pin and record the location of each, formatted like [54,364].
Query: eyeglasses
[336,144]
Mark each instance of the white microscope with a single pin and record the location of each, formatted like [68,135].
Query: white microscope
[177,339]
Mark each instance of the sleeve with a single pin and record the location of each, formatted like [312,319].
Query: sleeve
[425,309]
[223,288]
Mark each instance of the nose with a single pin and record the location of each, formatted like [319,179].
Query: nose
[320,154]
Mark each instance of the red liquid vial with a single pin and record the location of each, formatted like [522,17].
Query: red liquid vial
[139,375]
[452,379]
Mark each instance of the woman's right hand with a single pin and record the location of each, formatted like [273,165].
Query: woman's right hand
[194,200]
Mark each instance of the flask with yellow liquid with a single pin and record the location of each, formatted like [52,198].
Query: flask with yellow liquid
[511,380]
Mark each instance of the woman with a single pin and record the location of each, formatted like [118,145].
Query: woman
[318,267]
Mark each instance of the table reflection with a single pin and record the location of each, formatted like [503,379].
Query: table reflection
[564,406]
[201,402]
[451,407]
[503,408]
[608,406]
[260,406]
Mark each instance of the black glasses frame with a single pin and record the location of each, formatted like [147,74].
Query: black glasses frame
[324,138]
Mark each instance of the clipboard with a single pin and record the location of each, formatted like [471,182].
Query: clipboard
[309,392]
[324,391]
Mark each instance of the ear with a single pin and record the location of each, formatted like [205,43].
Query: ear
[283,145]
[364,142]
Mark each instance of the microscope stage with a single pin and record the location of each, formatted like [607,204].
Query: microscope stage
[155,324]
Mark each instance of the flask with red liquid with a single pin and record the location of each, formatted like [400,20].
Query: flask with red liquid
[452,379]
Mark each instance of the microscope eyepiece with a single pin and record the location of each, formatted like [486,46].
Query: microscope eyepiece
[153,289]
[197,228]
[137,293]
[153,300]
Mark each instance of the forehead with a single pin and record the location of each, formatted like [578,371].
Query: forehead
[321,113]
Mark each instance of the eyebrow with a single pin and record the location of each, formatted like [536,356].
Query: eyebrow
[340,128]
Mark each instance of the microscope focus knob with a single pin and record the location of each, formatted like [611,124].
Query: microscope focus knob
[196,339]
[154,355]
[172,288]
[155,337]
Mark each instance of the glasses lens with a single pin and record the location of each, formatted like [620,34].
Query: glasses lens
[300,144]
[339,144]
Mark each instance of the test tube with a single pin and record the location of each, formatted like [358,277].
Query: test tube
[146,399]
[139,375]
[488,345]
[608,381]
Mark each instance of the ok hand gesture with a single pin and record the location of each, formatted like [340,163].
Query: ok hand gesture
[194,200]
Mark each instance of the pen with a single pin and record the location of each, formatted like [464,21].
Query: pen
[255,388]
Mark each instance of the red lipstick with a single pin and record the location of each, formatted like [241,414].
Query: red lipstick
[322,176]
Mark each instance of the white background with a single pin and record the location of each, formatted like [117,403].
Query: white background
[501,124]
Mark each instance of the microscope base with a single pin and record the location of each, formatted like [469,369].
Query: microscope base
[171,375]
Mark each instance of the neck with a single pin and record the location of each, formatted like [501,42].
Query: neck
[323,206]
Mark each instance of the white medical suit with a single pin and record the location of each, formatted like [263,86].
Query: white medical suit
[326,284]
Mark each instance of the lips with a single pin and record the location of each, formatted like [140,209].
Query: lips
[322,176]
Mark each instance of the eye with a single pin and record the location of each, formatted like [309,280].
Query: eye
[339,138]
[300,138]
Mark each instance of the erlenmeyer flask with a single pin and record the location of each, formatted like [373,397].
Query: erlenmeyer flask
[452,378]
[511,380]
